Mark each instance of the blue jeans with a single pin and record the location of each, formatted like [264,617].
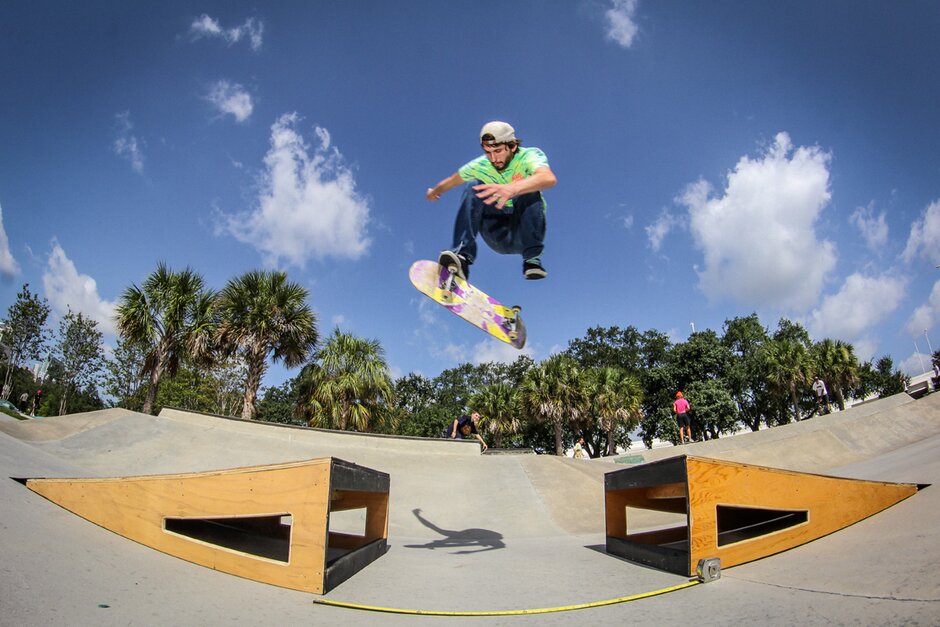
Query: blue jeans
[516,230]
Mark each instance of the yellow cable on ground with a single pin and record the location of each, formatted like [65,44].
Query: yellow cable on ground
[541,610]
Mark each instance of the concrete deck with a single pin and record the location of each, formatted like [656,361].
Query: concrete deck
[468,532]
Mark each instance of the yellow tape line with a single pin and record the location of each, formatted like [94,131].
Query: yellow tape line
[542,610]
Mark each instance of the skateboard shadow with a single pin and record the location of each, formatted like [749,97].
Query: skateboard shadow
[483,539]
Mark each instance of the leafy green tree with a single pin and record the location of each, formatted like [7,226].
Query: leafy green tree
[262,314]
[615,400]
[746,378]
[417,412]
[608,347]
[554,392]
[190,388]
[789,364]
[172,317]
[277,403]
[80,352]
[836,364]
[226,379]
[123,380]
[700,358]
[500,409]
[23,334]
[214,389]
[890,380]
[793,332]
[80,400]
[713,409]
[348,386]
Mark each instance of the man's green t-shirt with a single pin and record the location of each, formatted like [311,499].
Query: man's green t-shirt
[523,165]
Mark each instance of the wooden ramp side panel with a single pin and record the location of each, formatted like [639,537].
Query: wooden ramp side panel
[790,508]
[137,508]
[830,504]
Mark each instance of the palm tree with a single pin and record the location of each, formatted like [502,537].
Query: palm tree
[554,392]
[838,366]
[347,386]
[615,400]
[789,365]
[262,314]
[499,408]
[171,317]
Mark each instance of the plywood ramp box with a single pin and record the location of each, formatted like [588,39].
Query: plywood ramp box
[267,523]
[734,512]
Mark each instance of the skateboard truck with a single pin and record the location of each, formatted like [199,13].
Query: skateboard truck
[447,286]
[511,322]
[708,569]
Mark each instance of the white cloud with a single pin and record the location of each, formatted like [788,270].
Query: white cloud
[927,315]
[621,26]
[231,98]
[308,206]
[924,240]
[657,231]
[428,313]
[865,348]
[758,240]
[860,304]
[126,145]
[917,363]
[67,289]
[251,30]
[873,228]
[8,266]
[499,352]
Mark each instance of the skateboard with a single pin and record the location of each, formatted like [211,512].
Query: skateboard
[470,303]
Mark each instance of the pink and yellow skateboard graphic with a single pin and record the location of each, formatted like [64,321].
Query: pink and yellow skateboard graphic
[471,304]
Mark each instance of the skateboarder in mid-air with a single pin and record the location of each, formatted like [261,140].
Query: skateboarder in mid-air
[502,200]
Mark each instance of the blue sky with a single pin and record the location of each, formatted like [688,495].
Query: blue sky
[714,159]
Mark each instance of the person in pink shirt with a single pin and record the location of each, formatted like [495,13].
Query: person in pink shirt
[682,407]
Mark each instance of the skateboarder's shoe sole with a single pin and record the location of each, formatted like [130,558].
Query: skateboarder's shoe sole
[533,270]
[450,259]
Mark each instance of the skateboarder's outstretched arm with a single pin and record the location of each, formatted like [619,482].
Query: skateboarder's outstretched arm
[446,185]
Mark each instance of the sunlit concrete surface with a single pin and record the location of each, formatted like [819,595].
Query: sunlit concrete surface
[468,532]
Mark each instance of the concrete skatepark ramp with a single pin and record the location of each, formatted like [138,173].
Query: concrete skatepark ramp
[468,532]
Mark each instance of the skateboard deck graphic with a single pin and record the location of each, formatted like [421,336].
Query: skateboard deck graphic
[470,303]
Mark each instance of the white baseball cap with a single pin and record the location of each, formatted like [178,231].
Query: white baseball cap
[501,132]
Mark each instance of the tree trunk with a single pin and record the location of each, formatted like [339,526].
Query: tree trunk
[840,398]
[796,403]
[252,383]
[559,447]
[152,390]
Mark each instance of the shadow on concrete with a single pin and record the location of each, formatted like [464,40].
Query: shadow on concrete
[485,539]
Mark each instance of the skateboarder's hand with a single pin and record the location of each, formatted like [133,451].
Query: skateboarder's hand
[494,194]
[432,195]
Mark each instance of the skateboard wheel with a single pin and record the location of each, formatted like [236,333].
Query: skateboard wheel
[516,308]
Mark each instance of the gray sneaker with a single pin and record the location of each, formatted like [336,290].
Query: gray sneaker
[533,269]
